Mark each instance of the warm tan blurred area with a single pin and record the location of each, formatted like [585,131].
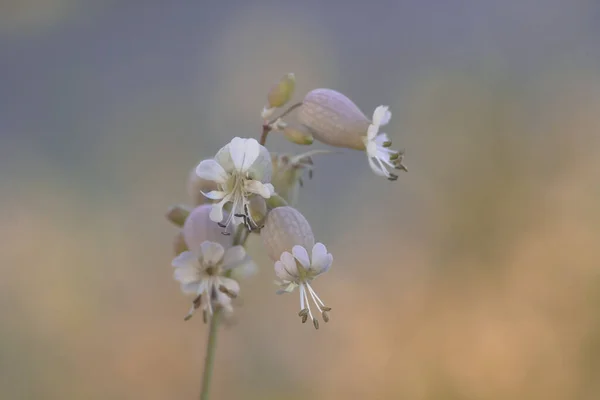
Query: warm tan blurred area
[475,276]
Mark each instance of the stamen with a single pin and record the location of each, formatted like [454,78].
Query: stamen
[313,297]
[307,303]
[228,292]
[318,298]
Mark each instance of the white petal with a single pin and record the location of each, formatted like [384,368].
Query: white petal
[372,131]
[381,115]
[262,167]
[212,171]
[212,252]
[192,288]
[376,168]
[214,194]
[282,273]
[234,256]
[187,275]
[243,153]
[321,260]
[245,269]
[258,188]
[271,189]
[289,263]
[230,285]
[301,255]
[223,157]
[185,260]
[216,212]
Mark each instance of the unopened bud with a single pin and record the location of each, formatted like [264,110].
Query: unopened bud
[334,119]
[199,227]
[284,228]
[282,91]
[178,214]
[257,208]
[298,134]
[197,185]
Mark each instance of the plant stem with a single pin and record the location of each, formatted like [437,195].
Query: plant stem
[267,125]
[211,343]
[209,360]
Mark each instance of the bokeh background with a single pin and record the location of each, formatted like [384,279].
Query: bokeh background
[474,276]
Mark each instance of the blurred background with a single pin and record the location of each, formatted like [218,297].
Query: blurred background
[475,276]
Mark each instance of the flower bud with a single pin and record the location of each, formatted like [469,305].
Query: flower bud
[285,227]
[286,178]
[298,134]
[178,214]
[282,91]
[198,228]
[196,185]
[334,119]
[257,208]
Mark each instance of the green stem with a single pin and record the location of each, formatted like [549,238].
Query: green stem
[209,360]
[211,344]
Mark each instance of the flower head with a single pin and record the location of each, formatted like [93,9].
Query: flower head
[377,144]
[335,120]
[287,238]
[240,169]
[297,270]
[202,273]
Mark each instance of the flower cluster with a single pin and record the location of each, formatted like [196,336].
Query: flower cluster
[244,189]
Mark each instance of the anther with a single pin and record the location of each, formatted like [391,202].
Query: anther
[221,225]
[394,156]
[303,312]
[387,144]
[325,308]
[400,166]
[228,292]
[316,323]
[304,318]
[205,316]
[325,316]
[392,177]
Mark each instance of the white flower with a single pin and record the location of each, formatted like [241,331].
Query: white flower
[241,169]
[298,270]
[201,272]
[377,146]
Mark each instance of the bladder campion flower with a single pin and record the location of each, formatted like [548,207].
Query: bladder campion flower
[335,120]
[240,169]
[202,273]
[287,237]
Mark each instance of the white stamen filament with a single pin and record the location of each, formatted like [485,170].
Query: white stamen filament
[314,296]
[301,298]
[303,293]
